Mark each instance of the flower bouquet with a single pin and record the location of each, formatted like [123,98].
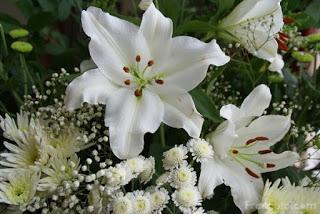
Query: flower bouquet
[189,109]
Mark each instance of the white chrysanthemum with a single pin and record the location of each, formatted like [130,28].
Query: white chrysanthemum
[148,171]
[159,199]
[141,202]
[200,210]
[60,169]
[20,188]
[200,149]
[122,205]
[184,175]
[163,179]
[174,156]
[28,151]
[118,176]
[66,142]
[187,198]
[289,198]
[136,164]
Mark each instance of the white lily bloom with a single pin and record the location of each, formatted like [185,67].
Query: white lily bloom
[255,24]
[143,77]
[252,106]
[242,154]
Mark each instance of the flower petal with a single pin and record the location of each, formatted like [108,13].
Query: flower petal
[91,87]
[277,64]
[180,112]
[272,127]
[188,62]
[114,42]
[257,101]
[246,193]
[277,161]
[256,9]
[129,118]
[222,138]
[157,31]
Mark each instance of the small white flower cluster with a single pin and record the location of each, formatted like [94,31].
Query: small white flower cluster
[154,200]
[182,177]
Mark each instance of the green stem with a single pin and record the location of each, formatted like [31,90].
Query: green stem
[24,69]
[162,136]
[182,10]
[3,38]
[169,210]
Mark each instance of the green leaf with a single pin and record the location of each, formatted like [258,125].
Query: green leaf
[64,9]
[194,26]
[47,5]
[40,20]
[205,105]
[313,10]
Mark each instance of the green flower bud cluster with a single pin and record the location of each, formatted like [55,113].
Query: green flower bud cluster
[314,38]
[302,56]
[275,78]
[20,46]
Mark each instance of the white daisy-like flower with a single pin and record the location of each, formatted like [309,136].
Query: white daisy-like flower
[148,171]
[66,142]
[187,198]
[159,199]
[118,176]
[20,188]
[174,156]
[60,169]
[200,210]
[28,151]
[122,205]
[200,149]
[289,198]
[136,164]
[184,175]
[163,179]
[141,202]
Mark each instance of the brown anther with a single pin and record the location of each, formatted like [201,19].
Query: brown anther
[138,92]
[138,58]
[250,141]
[270,165]
[234,151]
[150,63]
[127,82]
[159,81]
[261,138]
[126,69]
[251,173]
[266,151]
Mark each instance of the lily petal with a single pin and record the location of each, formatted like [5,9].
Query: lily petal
[255,9]
[157,31]
[222,138]
[92,87]
[114,42]
[277,161]
[257,101]
[246,193]
[129,118]
[272,127]
[277,64]
[180,112]
[188,62]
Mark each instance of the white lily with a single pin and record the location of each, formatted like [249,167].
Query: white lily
[143,77]
[242,154]
[252,106]
[255,24]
